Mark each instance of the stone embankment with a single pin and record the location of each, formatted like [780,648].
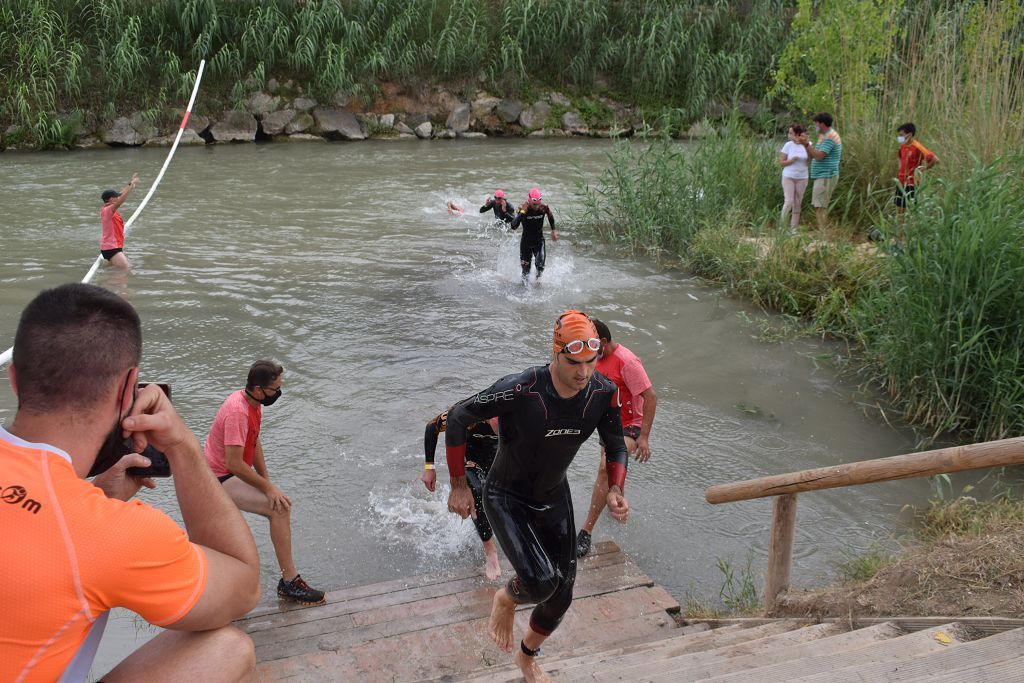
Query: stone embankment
[284,112]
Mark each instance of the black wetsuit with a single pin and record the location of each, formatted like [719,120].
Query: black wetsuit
[532,243]
[493,205]
[526,495]
[481,445]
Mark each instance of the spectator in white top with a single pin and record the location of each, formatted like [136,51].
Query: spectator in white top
[793,159]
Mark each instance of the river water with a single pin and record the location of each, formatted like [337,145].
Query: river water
[341,262]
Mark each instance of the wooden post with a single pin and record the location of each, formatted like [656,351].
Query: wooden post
[780,549]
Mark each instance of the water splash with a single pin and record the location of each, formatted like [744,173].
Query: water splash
[415,519]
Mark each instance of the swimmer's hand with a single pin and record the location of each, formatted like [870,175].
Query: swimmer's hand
[460,500]
[643,449]
[617,505]
[429,479]
[554,235]
[117,483]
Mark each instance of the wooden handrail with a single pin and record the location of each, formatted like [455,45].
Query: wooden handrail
[924,464]
[785,487]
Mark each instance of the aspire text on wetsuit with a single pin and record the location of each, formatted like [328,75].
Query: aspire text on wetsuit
[526,495]
[532,243]
[506,214]
[481,445]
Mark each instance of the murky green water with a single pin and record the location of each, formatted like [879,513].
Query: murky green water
[341,262]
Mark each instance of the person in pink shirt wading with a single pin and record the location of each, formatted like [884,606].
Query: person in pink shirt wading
[112,237]
[638,402]
[235,454]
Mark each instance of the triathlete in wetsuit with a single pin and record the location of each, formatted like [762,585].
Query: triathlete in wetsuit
[481,445]
[503,211]
[546,413]
[531,246]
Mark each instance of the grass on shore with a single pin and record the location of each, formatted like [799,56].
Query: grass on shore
[965,557]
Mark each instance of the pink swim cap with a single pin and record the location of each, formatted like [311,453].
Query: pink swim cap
[535,194]
[499,194]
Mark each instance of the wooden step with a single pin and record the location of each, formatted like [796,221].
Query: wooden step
[344,624]
[564,667]
[973,661]
[460,645]
[699,664]
[830,654]
[272,612]
[1010,671]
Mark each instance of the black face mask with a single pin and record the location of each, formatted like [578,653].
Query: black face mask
[266,400]
[114,446]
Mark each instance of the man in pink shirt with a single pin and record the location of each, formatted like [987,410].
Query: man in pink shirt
[235,454]
[112,237]
[638,401]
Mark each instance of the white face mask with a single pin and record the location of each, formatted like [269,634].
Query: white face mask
[902,139]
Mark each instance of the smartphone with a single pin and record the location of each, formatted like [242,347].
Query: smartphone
[159,466]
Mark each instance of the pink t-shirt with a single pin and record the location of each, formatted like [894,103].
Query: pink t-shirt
[237,424]
[625,369]
[113,228]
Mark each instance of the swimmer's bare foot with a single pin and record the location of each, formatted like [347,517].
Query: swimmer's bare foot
[503,612]
[492,568]
[531,669]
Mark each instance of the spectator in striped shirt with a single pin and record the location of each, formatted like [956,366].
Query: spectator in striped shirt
[825,158]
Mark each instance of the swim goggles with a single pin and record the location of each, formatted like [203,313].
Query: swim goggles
[578,345]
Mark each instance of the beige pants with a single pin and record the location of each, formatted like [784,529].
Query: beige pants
[822,193]
[793,189]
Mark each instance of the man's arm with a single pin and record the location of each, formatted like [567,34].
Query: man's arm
[816,153]
[551,221]
[430,434]
[119,200]
[496,400]
[518,217]
[609,429]
[211,518]
[643,447]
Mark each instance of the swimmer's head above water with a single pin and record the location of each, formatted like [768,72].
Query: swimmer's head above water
[575,349]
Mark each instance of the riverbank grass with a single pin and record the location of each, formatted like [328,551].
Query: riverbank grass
[965,557]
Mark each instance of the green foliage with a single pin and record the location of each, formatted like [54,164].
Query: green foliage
[739,591]
[968,516]
[938,324]
[675,52]
[943,327]
[862,566]
[832,61]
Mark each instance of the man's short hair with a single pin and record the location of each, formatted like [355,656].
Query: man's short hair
[602,330]
[263,373]
[108,195]
[72,343]
[907,128]
[823,117]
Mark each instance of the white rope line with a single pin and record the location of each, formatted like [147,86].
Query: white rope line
[5,357]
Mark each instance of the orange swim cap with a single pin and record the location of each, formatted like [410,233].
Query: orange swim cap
[575,326]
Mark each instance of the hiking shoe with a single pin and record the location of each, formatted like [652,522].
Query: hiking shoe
[299,591]
[582,543]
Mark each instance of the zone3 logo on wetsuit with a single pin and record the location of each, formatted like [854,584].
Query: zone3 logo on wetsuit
[530,411]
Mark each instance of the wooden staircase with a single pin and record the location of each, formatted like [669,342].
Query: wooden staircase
[790,651]
[621,627]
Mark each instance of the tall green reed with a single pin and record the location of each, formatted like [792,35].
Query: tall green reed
[942,330]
